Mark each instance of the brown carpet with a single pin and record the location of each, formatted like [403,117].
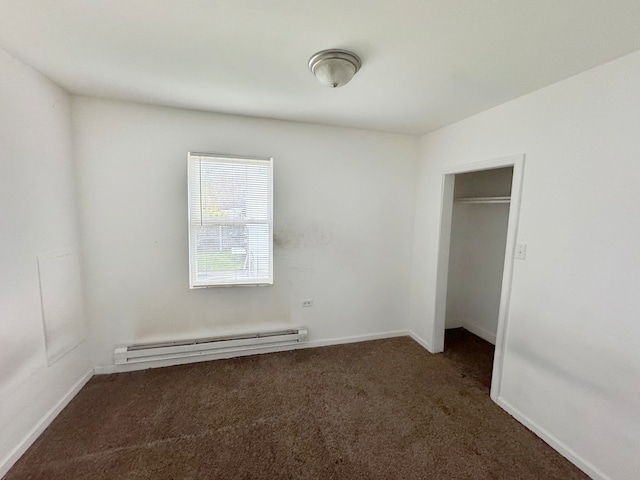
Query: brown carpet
[469,354]
[375,410]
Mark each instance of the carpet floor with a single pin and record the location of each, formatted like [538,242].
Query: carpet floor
[383,409]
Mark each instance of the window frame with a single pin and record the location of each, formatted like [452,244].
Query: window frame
[232,159]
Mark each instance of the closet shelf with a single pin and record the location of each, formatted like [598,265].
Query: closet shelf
[483,200]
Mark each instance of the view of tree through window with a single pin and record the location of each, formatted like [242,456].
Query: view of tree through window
[230,220]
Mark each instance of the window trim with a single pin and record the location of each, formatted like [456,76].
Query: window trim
[231,158]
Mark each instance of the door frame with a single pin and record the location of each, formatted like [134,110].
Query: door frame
[448,181]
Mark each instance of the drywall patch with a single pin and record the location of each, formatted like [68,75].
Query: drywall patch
[62,307]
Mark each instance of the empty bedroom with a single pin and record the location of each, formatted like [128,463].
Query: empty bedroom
[323,240]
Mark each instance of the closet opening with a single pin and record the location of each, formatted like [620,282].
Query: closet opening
[477,242]
[479,221]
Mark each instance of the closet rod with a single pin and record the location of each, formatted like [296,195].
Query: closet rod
[483,200]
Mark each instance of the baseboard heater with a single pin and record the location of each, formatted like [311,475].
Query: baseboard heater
[147,352]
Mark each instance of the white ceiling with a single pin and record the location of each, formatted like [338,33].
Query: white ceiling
[426,63]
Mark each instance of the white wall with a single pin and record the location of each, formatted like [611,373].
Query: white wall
[38,215]
[343,221]
[571,361]
[455,314]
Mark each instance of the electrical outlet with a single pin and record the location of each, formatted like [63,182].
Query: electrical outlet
[307,303]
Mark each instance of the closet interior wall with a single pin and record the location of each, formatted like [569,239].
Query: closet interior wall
[476,259]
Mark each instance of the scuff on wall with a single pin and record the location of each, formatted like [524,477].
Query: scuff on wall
[300,236]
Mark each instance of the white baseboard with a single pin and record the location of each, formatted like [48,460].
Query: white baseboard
[44,422]
[357,338]
[553,441]
[219,356]
[423,343]
[481,332]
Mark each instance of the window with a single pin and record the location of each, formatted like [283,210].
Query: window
[230,220]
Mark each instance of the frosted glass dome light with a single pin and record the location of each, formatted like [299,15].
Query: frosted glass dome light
[334,68]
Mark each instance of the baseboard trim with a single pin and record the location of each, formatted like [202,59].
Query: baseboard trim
[481,332]
[553,441]
[108,369]
[423,343]
[44,422]
[357,338]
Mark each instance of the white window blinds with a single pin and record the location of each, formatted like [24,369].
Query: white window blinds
[230,220]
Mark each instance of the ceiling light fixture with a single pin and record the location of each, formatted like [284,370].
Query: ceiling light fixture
[334,68]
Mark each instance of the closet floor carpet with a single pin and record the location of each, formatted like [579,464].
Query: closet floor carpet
[383,409]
